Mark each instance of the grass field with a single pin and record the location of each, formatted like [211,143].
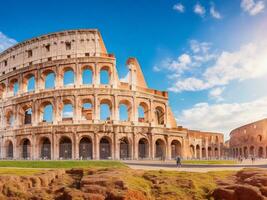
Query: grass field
[209,162]
[62,164]
[19,172]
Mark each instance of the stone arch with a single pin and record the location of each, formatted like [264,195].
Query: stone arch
[259,138]
[260,152]
[65,148]
[67,110]
[103,72]
[87,75]
[9,149]
[25,114]
[128,106]
[45,148]
[46,112]
[198,151]
[160,149]
[216,152]
[143,112]
[159,115]
[87,109]
[29,82]
[125,148]
[104,105]
[143,148]
[252,151]
[48,79]
[10,119]
[245,152]
[204,155]
[68,76]
[176,148]
[14,86]
[25,146]
[209,152]
[85,148]
[105,150]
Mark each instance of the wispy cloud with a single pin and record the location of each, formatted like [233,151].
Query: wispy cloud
[6,42]
[214,13]
[231,114]
[252,7]
[199,10]
[179,7]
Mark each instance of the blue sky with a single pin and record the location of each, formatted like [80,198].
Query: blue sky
[209,55]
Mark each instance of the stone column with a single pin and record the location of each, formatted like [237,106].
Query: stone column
[96,109]
[78,75]
[115,109]
[96,146]
[96,76]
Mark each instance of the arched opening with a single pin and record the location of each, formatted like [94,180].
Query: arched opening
[209,152]
[245,152]
[251,151]
[45,149]
[124,149]
[2,90]
[105,76]
[260,152]
[160,149]
[233,151]
[9,150]
[47,113]
[105,148]
[143,112]
[87,76]
[105,109]
[28,116]
[50,80]
[204,152]
[68,78]
[192,151]
[65,148]
[159,115]
[198,151]
[14,86]
[125,110]
[143,148]
[240,152]
[87,111]
[216,152]
[85,149]
[67,112]
[26,149]
[30,83]
[259,138]
[176,149]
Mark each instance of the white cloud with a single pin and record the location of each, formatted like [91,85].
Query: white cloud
[216,93]
[249,62]
[223,117]
[125,79]
[214,13]
[179,7]
[199,9]
[252,7]
[6,42]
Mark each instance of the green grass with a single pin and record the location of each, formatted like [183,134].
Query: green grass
[62,164]
[18,172]
[210,162]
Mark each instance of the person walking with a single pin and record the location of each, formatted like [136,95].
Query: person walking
[178,161]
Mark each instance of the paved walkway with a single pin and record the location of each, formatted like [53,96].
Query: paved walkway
[170,165]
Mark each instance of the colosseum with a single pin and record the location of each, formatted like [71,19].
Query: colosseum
[53,92]
[249,140]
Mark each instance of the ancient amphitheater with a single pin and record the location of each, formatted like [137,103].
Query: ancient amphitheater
[249,140]
[45,115]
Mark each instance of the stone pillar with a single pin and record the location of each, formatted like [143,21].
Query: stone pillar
[150,112]
[116,147]
[75,146]
[96,109]
[59,78]
[152,148]
[115,109]
[96,76]
[168,148]
[96,146]
[78,75]
[77,109]
[135,110]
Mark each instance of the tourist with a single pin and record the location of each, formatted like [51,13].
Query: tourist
[178,161]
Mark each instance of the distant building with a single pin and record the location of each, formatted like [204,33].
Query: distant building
[45,115]
[249,140]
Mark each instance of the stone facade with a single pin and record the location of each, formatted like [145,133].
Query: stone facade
[249,140]
[82,134]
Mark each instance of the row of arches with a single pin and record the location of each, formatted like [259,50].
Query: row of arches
[199,153]
[46,112]
[65,148]
[48,80]
[249,152]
